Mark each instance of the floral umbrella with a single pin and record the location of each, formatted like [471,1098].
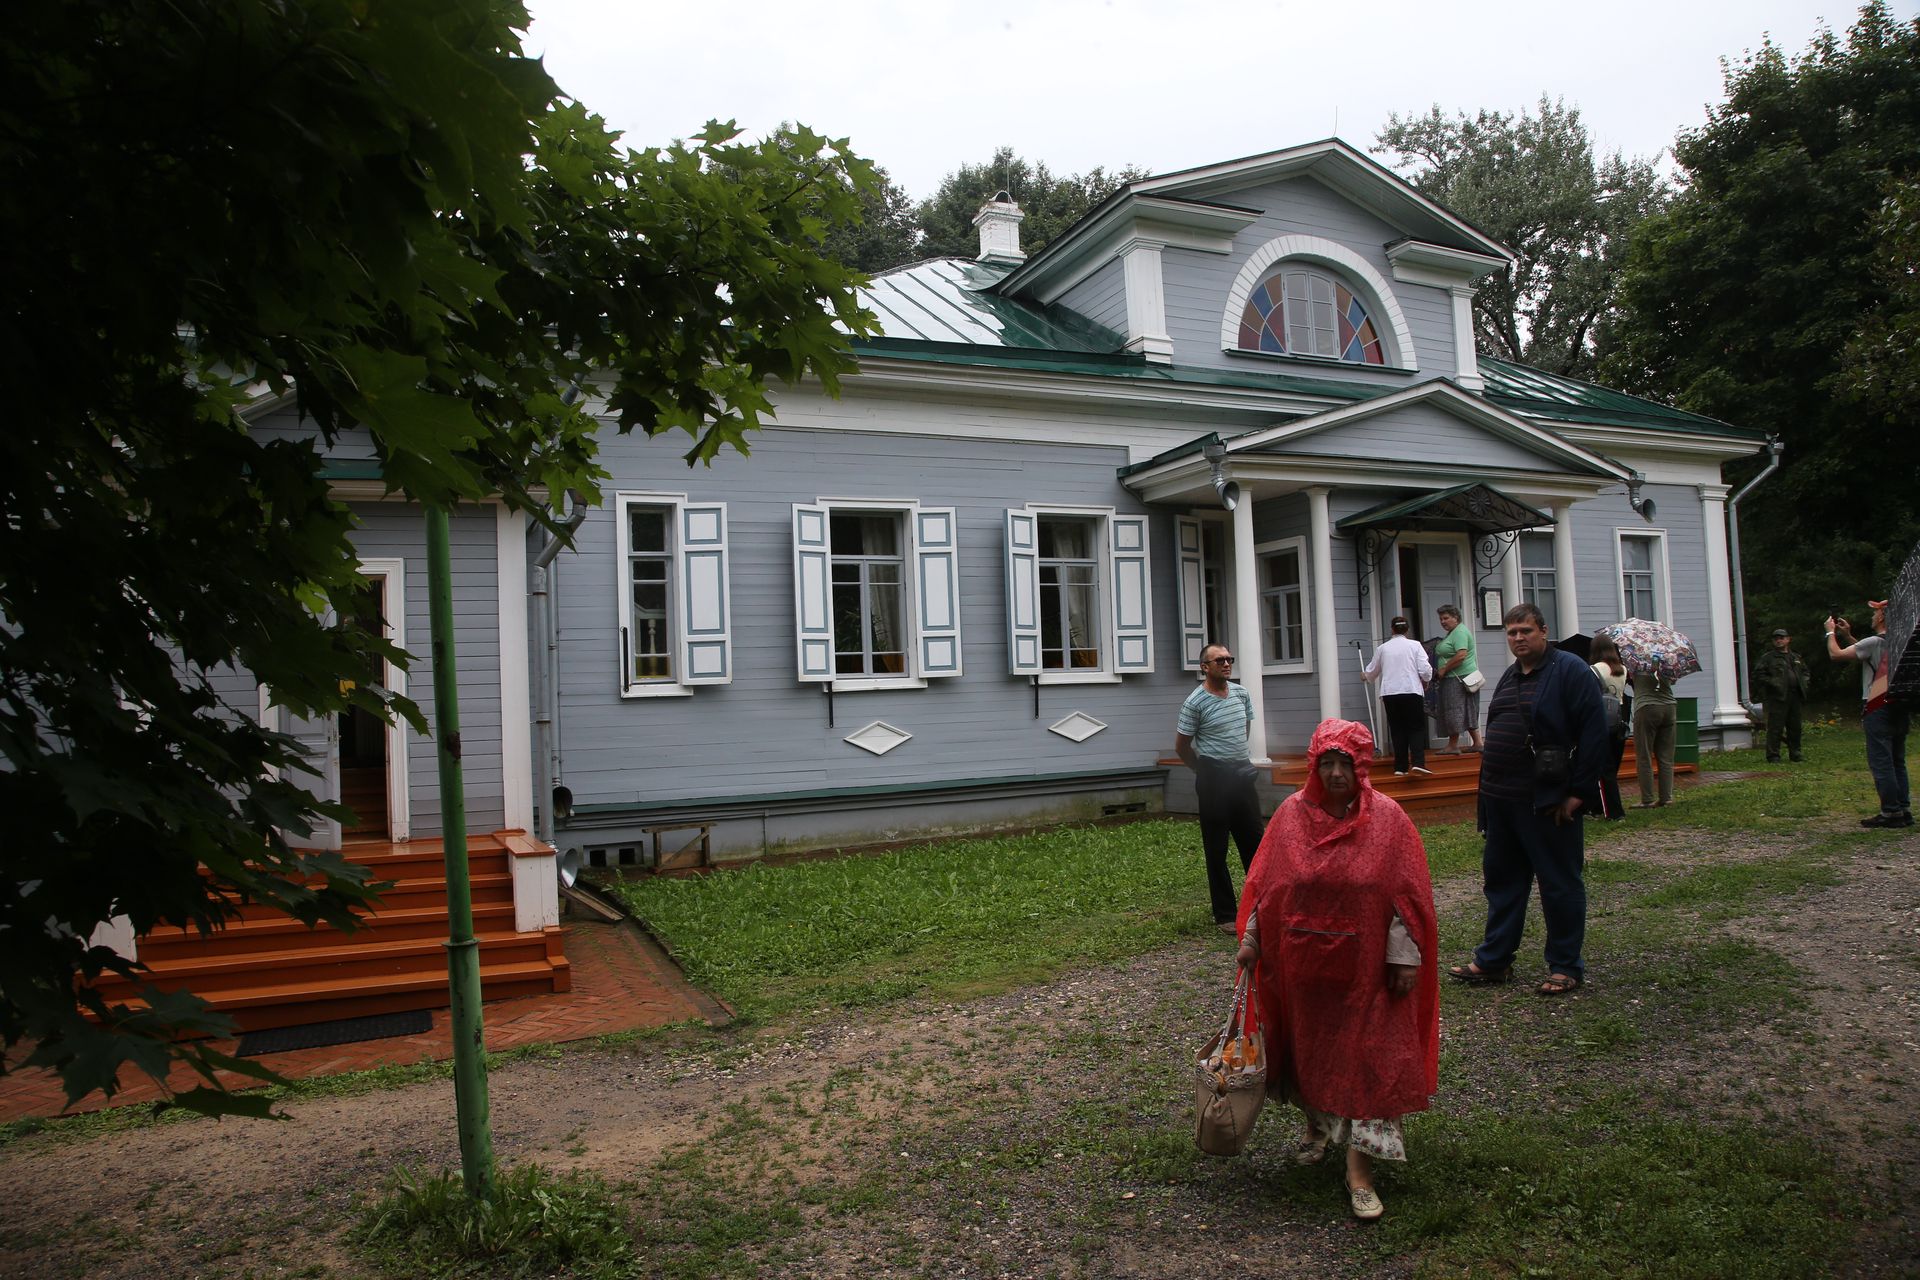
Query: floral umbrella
[1652,647]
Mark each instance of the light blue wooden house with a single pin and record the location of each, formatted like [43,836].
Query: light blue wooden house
[972,590]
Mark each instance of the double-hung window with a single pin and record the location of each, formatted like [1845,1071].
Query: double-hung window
[876,593]
[1643,576]
[671,585]
[1283,605]
[1537,582]
[1079,598]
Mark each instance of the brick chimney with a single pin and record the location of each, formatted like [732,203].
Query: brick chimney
[999,224]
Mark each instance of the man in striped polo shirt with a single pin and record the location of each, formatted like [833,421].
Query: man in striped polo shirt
[1215,724]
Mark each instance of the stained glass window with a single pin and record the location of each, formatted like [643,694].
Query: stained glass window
[1309,313]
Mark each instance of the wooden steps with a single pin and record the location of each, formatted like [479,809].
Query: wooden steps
[264,969]
[1454,785]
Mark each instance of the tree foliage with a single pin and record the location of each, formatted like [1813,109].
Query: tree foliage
[1532,183]
[881,231]
[1051,204]
[392,213]
[1774,294]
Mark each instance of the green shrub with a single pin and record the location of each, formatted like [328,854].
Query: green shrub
[539,1223]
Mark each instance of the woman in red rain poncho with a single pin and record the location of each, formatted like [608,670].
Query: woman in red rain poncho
[1337,915]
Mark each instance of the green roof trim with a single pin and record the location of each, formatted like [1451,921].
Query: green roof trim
[1107,364]
[351,469]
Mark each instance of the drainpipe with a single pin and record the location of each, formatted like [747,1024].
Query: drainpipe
[1775,447]
[545,660]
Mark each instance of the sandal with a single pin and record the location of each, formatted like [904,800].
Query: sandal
[1472,974]
[1310,1151]
[1558,984]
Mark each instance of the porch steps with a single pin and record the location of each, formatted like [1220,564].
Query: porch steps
[265,970]
[1454,785]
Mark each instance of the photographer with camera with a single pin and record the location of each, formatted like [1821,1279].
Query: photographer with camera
[1884,724]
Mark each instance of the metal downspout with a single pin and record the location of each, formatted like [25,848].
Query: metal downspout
[1776,448]
[539,588]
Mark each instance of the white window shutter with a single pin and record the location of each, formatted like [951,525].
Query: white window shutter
[1023,592]
[812,592]
[1132,595]
[936,591]
[1193,592]
[706,628]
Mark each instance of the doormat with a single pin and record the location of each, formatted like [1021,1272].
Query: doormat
[343,1031]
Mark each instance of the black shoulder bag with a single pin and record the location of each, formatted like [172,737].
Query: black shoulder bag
[1552,766]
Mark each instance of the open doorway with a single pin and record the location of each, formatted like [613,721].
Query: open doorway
[1428,576]
[363,737]
[371,752]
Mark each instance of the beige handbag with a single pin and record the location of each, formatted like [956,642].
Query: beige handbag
[1230,1077]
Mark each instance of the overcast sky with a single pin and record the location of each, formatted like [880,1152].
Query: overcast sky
[923,86]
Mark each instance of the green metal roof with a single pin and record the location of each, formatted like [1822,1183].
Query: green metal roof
[944,311]
[1551,395]
[945,300]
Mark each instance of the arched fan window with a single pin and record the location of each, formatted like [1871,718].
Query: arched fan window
[1302,312]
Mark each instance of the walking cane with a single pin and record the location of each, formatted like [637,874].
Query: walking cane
[1373,717]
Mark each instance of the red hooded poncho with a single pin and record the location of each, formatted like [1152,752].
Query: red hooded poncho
[1327,889]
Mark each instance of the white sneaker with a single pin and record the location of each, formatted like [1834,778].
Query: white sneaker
[1423,771]
[1399,773]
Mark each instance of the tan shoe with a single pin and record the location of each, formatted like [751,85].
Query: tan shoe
[1366,1204]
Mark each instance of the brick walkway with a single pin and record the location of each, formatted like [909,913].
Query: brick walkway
[622,981]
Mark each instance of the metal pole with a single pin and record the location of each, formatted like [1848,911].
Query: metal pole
[463,952]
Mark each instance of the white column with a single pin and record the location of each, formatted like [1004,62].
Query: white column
[1726,682]
[1246,612]
[1493,656]
[1146,301]
[516,698]
[1326,639]
[1566,590]
[1466,357]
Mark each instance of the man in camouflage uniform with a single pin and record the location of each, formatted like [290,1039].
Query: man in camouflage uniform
[1780,677]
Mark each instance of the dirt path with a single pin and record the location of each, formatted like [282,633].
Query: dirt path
[821,1117]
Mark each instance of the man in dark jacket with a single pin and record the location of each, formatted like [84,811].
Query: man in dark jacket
[1546,742]
[1780,678]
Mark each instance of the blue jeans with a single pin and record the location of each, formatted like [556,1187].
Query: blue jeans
[1886,730]
[1523,846]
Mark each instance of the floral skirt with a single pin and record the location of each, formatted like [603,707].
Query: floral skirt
[1456,710]
[1382,1138]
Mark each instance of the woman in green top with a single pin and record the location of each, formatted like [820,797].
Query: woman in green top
[1453,659]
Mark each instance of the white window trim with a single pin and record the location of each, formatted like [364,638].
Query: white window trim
[908,509]
[1552,569]
[1663,573]
[623,592]
[1109,634]
[1222,524]
[1298,545]
[1361,276]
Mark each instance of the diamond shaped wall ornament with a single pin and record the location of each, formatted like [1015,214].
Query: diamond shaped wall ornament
[1077,727]
[878,737]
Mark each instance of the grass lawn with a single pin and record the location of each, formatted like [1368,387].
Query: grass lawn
[1556,1147]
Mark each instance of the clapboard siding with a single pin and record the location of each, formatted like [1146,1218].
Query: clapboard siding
[1418,433]
[1101,297]
[766,731]
[1197,284]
